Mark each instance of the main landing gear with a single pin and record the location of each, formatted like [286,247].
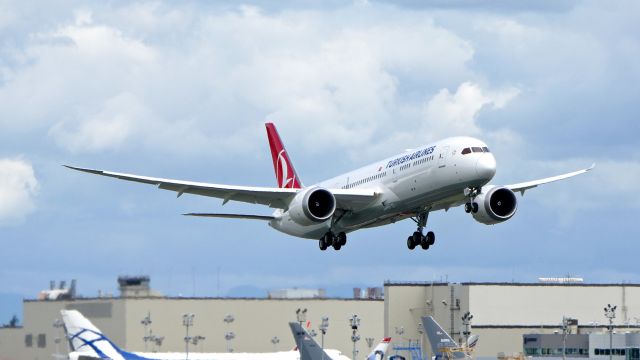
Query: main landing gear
[418,238]
[471,205]
[331,239]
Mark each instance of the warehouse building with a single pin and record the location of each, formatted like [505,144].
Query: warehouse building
[502,314]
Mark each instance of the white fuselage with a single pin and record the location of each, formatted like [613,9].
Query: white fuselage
[430,178]
[282,355]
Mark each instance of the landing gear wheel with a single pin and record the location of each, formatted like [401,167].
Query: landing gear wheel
[417,238]
[322,244]
[475,207]
[342,239]
[431,238]
[336,246]
[328,239]
[410,243]
[424,243]
[467,208]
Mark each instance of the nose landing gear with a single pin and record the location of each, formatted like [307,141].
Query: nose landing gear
[471,205]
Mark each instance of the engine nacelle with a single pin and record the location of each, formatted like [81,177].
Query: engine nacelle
[312,206]
[495,205]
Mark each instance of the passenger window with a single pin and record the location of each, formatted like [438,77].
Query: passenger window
[486,149]
[476,149]
[466,151]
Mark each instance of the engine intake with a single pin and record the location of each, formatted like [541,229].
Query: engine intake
[312,206]
[495,205]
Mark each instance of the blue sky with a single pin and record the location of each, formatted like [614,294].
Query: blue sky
[182,89]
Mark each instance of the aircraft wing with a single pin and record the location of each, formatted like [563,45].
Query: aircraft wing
[273,197]
[521,187]
[278,198]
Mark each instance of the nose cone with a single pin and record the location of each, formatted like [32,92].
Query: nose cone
[486,166]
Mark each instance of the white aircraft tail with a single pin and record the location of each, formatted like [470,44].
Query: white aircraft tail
[440,340]
[380,351]
[86,340]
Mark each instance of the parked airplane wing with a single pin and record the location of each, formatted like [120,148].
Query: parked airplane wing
[521,187]
[273,197]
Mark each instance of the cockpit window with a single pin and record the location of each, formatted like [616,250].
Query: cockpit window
[476,149]
[466,151]
[486,149]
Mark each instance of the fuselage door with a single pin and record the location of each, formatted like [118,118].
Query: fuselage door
[442,157]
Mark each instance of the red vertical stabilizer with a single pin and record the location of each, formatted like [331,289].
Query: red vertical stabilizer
[286,175]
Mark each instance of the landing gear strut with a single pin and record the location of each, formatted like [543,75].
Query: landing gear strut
[471,205]
[418,238]
[331,239]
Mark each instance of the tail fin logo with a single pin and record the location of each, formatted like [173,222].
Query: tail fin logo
[282,171]
[286,175]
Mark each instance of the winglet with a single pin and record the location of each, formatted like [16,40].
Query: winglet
[286,175]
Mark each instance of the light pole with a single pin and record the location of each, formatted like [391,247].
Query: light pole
[187,322]
[198,339]
[565,331]
[58,324]
[229,335]
[610,313]
[156,341]
[466,321]
[301,315]
[146,321]
[354,321]
[324,325]
[275,341]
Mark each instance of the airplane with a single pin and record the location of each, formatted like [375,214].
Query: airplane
[441,341]
[310,350]
[448,173]
[87,342]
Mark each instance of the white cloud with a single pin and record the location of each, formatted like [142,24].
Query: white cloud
[108,129]
[449,114]
[18,187]
[224,72]
[611,184]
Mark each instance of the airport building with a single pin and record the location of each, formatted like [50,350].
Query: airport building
[504,312]
[505,315]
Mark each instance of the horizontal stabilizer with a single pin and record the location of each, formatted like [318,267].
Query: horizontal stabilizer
[233,216]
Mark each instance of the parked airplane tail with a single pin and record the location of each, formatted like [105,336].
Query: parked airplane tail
[380,351]
[473,341]
[439,339]
[87,341]
[309,348]
[286,175]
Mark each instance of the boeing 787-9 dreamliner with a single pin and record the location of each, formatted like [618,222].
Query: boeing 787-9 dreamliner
[448,173]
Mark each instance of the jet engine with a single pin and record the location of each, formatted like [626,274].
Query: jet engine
[495,205]
[312,206]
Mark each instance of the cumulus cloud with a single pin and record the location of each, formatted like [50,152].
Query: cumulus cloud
[95,82]
[18,187]
[448,114]
[109,128]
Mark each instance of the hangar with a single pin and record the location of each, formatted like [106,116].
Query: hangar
[503,314]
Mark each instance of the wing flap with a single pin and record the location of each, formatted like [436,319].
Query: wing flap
[522,187]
